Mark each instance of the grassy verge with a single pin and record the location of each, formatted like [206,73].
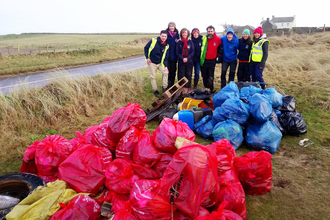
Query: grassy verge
[301,177]
[66,51]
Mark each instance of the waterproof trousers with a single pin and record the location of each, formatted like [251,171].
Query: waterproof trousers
[208,73]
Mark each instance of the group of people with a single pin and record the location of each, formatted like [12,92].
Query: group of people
[175,51]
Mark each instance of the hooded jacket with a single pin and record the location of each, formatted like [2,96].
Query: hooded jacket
[191,51]
[198,45]
[230,47]
[157,53]
[172,43]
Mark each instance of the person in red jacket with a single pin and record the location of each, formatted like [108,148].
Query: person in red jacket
[211,46]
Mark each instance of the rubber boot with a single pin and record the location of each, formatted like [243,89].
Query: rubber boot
[195,84]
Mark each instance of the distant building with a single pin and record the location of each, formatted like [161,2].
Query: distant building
[268,26]
[281,22]
[239,29]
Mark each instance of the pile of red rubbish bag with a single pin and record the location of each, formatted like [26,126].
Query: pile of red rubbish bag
[145,176]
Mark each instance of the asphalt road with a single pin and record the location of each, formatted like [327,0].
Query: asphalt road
[9,85]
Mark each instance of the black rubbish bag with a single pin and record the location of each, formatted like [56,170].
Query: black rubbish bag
[289,104]
[293,123]
[167,113]
[273,118]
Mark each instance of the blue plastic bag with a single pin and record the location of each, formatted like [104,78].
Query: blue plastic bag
[231,131]
[273,97]
[265,137]
[217,116]
[205,127]
[245,93]
[260,108]
[278,113]
[228,92]
[234,109]
[253,90]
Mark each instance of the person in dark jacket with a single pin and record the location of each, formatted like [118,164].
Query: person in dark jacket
[230,46]
[197,40]
[258,56]
[185,52]
[244,48]
[156,54]
[172,39]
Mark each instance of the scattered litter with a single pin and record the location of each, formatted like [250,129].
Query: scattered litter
[302,142]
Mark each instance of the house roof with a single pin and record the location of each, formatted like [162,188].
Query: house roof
[282,19]
[270,21]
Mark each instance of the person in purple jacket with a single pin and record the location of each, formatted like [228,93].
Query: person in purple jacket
[185,52]
[172,39]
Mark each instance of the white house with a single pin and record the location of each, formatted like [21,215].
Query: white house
[283,22]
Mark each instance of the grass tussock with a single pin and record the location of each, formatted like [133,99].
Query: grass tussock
[64,106]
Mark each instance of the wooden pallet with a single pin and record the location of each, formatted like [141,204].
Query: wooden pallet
[170,92]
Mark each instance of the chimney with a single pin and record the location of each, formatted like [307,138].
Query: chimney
[273,16]
[268,19]
[262,19]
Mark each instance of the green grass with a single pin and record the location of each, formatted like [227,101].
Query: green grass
[66,50]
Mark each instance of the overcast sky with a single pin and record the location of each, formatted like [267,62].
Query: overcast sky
[108,16]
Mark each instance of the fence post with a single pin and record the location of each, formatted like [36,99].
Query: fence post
[324,28]
[8,51]
[17,48]
[310,30]
[47,48]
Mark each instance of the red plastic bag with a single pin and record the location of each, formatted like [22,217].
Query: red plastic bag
[254,170]
[193,175]
[28,163]
[179,215]
[231,191]
[127,143]
[122,119]
[78,142]
[221,214]
[50,153]
[122,211]
[225,154]
[84,169]
[145,152]
[101,138]
[162,163]
[165,135]
[81,207]
[120,176]
[111,197]
[89,134]
[147,204]
[145,172]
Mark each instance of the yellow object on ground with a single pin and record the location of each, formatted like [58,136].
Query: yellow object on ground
[189,103]
[43,202]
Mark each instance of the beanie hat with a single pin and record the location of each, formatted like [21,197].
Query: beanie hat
[258,30]
[195,30]
[230,31]
[246,31]
[172,24]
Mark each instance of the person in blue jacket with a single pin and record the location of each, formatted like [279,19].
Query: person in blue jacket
[230,46]
[197,40]
[172,39]
[244,48]
[156,54]
[185,52]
